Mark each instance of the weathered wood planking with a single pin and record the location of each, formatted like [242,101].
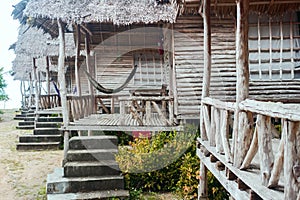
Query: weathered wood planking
[111,122]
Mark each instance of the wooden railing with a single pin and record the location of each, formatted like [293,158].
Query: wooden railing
[219,138]
[141,108]
[49,101]
[80,107]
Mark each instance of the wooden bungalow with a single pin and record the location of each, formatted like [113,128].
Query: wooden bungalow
[250,84]
[233,63]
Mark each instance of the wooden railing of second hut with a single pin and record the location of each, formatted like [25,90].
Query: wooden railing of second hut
[49,101]
[274,154]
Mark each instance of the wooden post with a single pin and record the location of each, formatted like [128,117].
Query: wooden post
[48,80]
[89,70]
[30,90]
[242,125]
[203,185]
[77,78]
[62,84]
[202,193]
[35,79]
[207,62]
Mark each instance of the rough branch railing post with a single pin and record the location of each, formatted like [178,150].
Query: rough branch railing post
[242,121]
[265,147]
[202,191]
[291,160]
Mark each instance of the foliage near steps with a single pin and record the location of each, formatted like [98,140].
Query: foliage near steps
[180,175]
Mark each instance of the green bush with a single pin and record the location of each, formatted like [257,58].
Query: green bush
[166,162]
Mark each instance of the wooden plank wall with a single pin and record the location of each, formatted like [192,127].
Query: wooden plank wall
[188,53]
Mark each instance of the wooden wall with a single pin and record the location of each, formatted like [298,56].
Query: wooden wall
[188,57]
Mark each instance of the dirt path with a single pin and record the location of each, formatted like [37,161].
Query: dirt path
[22,174]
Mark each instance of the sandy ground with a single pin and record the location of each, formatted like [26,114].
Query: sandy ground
[22,174]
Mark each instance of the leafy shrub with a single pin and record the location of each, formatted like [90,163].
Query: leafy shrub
[166,162]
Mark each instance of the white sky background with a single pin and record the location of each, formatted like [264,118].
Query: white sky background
[8,36]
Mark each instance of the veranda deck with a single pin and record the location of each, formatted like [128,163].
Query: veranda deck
[118,122]
[242,184]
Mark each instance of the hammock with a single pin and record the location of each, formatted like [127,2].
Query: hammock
[56,89]
[100,88]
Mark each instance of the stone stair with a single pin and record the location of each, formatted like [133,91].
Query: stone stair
[26,119]
[46,134]
[89,172]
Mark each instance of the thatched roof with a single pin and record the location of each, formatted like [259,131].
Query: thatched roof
[228,7]
[35,43]
[119,12]
[22,66]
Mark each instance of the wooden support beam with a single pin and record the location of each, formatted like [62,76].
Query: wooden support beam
[77,64]
[90,71]
[204,127]
[37,98]
[62,85]
[48,81]
[242,134]
[207,63]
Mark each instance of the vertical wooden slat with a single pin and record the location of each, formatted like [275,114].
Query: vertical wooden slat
[148,113]
[242,133]
[174,80]
[270,48]
[281,48]
[259,47]
[265,147]
[292,45]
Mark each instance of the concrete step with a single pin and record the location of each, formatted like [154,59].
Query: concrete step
[39,138]
[94,142]
[57,184]
[26,123]
[47,124]
[91,155]
[38,146]
[29,119]
[99,195]
[50,119]
[25,127]
[89,169]
[46,131]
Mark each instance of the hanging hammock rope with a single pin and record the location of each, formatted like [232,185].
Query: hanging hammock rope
[100,88]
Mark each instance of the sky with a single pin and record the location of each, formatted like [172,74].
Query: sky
[8,36]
